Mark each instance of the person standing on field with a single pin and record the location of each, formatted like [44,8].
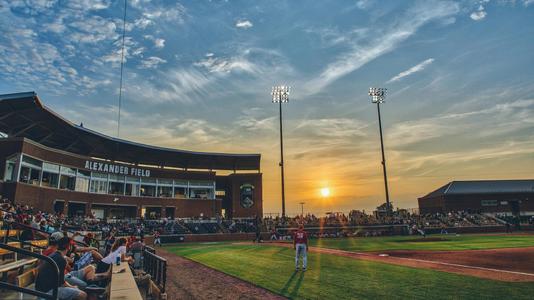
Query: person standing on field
[157,238]
[300,244]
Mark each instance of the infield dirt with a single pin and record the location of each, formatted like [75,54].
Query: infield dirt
[187,279]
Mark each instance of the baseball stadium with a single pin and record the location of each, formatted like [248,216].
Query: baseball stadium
[194,234]
[143,153]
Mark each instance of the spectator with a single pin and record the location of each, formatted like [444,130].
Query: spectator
[46,275]
[117,250]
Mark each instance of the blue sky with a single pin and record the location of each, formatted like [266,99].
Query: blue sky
[198,76]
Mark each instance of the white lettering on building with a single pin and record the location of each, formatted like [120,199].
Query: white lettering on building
[116,169]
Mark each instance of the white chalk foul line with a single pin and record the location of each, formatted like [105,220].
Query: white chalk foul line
[464,266]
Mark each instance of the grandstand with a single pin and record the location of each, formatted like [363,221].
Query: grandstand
[53,164]
[24,255]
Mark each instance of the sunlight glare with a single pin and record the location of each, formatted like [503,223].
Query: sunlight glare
[325,192]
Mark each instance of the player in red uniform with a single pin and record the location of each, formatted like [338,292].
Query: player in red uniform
[300,244]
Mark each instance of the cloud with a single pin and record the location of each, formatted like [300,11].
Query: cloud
[175,13]
[87,4]
[497,120]
[143,22]
[159,43]
[182,85]
[227,65]
[419,67]
[131,49]
[364,4]
[93,29]
[331,36]
[332,128]
[151,62]
[245,24]
[255,119]
[527,2]
[479,14]
[387,41]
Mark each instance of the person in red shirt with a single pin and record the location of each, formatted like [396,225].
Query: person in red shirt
[157,239]
[300,244]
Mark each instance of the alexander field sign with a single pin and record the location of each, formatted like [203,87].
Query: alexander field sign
[116,169]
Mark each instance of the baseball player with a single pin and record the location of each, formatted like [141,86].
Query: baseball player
[300,244]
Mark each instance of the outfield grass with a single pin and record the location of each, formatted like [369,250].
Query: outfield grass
[461,242]
[335,277]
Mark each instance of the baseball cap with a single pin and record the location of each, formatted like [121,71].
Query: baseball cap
[56,236]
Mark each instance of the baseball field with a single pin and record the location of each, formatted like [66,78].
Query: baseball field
[436,267]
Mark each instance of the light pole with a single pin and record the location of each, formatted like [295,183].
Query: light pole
[377,96]
[281,95]
[302,208]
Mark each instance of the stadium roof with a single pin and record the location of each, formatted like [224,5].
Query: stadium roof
[484,187]
[24,115]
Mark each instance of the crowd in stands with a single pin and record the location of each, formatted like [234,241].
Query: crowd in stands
[400,217]
[84,265]
[202,225]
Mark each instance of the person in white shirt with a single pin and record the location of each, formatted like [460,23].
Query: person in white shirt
[117,250]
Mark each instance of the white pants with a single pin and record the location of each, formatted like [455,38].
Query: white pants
[301,252]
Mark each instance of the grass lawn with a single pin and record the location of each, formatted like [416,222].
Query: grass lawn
[334,277]
[461,242]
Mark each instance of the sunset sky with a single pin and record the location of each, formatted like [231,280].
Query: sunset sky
[198,76]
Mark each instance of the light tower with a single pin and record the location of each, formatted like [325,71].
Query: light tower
[280,95]
[377,96]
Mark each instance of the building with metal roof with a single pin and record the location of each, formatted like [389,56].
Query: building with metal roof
[492,196]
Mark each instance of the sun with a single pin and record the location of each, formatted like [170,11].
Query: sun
[325,192]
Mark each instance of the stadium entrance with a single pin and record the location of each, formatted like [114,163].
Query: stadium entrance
[102,211]
[76,209]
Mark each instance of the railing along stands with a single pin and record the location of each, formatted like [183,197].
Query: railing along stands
[156,266]
[46,259]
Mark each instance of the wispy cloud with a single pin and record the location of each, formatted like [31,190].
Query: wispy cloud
[419,67]
[332,128]
[387,41]
[181,85]
[152,62]
[244,24]
[364,4]
[500,119]
[225,65]
[158,42]
[479,14]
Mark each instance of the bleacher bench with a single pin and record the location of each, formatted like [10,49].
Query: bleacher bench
[27,280]
[12,233]
[38,245]
[18,264]
[4,252]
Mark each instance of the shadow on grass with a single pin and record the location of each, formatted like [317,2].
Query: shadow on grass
[297,280]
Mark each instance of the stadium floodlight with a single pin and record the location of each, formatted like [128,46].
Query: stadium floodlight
[377,96]
[280,94]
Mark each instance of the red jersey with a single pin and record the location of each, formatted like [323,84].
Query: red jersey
[48,251]
[300,237]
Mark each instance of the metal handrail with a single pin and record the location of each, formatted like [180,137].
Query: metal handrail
[156,266]
[47,259]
